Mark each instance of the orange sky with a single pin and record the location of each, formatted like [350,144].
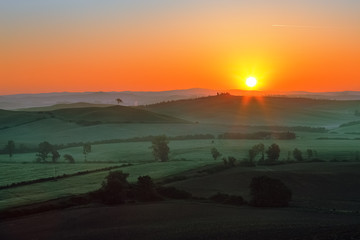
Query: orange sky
[161,46]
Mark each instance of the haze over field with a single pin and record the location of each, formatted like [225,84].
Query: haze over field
[129,98]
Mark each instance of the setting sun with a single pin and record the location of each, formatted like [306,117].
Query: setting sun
[251,82]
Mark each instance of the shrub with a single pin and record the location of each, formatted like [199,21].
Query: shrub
[215,153]
[114,190]
[298,155]
[273,153]
[269,192]
[69,158]
[145,189]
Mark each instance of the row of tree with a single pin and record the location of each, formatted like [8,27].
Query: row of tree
[272,153]
[264,191]
[45,150]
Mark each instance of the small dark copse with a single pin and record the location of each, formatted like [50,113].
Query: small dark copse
[269,192]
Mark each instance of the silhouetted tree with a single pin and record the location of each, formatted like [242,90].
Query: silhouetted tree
[273,153]
[10,148]
[160,148]
[86,150]
[269,192]
[215,153]
[297,154]
[118,100]
[145,189]
[225,161]
[114,189]
[231,161]
[43,151]
[55,155]
[69,158]
[255,150]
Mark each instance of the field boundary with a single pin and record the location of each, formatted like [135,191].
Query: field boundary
[47,179]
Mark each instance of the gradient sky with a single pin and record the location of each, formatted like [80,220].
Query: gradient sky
[143,45]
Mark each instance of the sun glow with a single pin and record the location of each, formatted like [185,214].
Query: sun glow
[251,82]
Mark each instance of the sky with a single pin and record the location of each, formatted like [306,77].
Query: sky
[155,45]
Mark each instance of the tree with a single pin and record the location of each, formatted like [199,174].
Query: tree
[269,192]
[69,158]
[86,150]
[273,153]
[231,161]
[215,153]
[309,154]
[55,155]
[297,155]
[114,189]
[10,147]
[145,189]
[255,150]
[118,100]
[43,151]
[160,148]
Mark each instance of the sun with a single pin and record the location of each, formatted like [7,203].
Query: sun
[251,82]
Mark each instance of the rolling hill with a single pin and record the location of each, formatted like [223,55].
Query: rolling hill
[89,115]
[132,98]
[269,111]
[64,106]
[113,114]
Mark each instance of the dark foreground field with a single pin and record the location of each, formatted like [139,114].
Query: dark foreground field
[182,220]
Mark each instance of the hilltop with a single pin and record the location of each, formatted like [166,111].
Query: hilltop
[268,111]
[86,116]
[64,106]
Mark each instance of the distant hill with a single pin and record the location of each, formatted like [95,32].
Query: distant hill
[131,98]
[64,106]
[114,114]
[14,118]
[269,111]
[86,116]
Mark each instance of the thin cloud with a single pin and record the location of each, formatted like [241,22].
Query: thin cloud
[296,26]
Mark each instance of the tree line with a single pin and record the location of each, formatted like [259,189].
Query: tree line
[258,154]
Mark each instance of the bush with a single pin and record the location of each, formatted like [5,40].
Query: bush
[69,158]
[269,192]
[172,192]
[298,155]
[227,199]
[160,148]
[115,189]
[145,189]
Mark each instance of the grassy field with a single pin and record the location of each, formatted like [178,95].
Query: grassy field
[81,184]
[181,220]
[32,171]
[324,185]
[226,114]
[135,152]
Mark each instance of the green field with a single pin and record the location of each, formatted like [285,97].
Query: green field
[212,115]
[81,184]
[139,152]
